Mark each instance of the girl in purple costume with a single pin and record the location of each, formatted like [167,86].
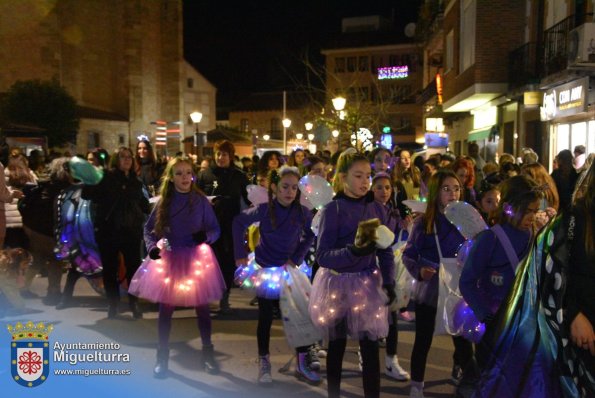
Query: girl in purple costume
[182,270]
[285,237]
[383,193]
[422,257]
[346,297]
[489,273]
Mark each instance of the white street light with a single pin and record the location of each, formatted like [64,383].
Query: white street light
[339,103]
[286,123]
[335,133]
[266,137]
[309,126]
[310,137]
[299,136]
[196,117]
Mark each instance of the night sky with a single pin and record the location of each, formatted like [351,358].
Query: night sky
[260,45]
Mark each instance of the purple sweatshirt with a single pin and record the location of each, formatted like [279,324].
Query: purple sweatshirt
[188,213]
[338,226]
[290,239]
[487,276]
[421,251]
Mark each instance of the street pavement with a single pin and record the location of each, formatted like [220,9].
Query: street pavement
[234,337]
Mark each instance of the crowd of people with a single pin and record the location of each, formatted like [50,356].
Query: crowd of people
[177,229]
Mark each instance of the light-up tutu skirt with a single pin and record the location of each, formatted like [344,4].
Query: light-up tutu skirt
[265,281]
[183,276]
[354,298]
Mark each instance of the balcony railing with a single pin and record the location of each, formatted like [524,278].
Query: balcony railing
[525,65]
[555,41]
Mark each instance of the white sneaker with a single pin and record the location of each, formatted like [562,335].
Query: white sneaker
[416,392]
[394,370]
[264,370]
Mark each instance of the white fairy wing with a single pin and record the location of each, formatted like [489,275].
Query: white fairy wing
[257,194]
[317,190]
[416,206]
[316,223]
[466,218]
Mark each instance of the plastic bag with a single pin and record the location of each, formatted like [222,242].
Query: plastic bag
[449,297]
[293,301]
[404,282]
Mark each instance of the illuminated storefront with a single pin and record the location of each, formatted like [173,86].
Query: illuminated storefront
[571,121]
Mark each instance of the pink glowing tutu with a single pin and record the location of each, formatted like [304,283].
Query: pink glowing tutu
[265,281]
[356,298]
[184,277]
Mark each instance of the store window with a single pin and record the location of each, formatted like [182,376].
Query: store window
[578,135]
[562,138]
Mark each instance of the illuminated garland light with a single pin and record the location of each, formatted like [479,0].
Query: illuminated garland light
[393,72]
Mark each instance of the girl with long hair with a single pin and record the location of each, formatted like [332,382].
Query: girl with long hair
[147,167]
[285,237]
[489,271]
[181,269]
[433,239]
[347,296]
[407,174]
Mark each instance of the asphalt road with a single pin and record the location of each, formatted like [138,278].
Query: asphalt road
[234,337]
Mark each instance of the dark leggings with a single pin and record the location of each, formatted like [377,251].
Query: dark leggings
[109,250]
[265,321]
[425,318]
[393,335]
[203,319]
[370,364]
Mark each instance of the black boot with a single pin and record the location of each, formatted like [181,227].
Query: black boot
[112,309]
[133,303]
[161,367]
[224,307]
[208,358]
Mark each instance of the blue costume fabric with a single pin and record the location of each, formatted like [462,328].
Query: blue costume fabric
[533,355]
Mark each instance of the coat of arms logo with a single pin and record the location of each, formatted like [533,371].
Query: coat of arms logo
[29,353]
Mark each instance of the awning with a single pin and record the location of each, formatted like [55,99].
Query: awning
[479,134]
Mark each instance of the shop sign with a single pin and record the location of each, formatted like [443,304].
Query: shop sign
[565,100]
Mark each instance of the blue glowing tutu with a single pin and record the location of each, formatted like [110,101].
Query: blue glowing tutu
[266,282]
[184,276]
[356,298]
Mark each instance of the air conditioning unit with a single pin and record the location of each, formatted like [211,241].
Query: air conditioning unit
[581,45]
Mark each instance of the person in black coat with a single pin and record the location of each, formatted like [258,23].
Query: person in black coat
[120,208]
[227,184]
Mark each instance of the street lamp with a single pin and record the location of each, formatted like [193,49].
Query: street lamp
[196,117]
[309,126]
[335,133]
[299,136]
[266,137]
[311,137]
[339,105]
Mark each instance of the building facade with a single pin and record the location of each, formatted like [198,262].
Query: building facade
[379,72]
[121,60]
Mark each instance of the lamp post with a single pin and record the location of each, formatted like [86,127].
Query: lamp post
[196,118]
[339,105]
[286,122]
